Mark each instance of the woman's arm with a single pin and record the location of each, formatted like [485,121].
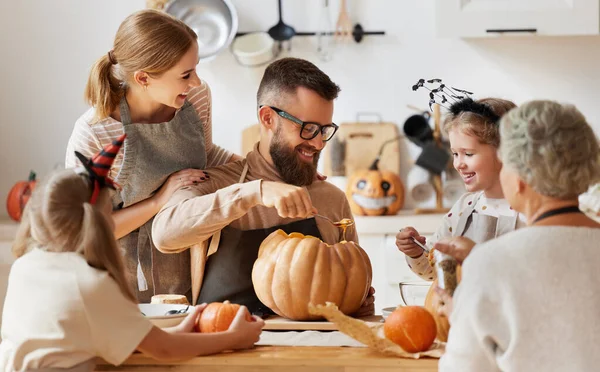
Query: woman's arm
[477,320]
[130,218]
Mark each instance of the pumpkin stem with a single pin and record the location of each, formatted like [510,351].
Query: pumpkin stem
[32,176]
[375,165]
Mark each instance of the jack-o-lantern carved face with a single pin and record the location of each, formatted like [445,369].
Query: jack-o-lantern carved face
[373,192]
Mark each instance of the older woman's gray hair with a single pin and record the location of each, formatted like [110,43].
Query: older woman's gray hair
[552,148]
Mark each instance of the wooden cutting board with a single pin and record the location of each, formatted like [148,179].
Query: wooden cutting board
[362,142]
[277,323]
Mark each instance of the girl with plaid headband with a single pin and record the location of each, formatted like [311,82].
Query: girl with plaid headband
[68,300]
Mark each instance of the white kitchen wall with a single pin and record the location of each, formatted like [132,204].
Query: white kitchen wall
[47,48]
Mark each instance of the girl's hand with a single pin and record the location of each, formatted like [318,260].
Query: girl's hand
[176,181]
[458,247]
[247,333]
[406,245]
[188,324]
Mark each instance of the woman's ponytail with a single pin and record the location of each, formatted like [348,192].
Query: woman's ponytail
[103,90]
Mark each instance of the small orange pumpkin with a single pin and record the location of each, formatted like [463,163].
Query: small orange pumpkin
[217,317]
[294,270]
[432,303]
[411,327]
[18,196]
[375,192]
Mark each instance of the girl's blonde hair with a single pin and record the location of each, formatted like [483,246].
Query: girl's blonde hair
[59,218]
[147,40]
[483,128]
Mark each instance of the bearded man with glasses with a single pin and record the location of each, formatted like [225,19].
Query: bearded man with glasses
[223,221]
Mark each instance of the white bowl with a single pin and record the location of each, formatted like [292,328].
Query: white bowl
[253,49]
[156,313]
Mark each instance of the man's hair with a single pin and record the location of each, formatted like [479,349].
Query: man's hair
[286,75]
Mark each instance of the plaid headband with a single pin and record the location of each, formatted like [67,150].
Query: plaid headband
[99,166]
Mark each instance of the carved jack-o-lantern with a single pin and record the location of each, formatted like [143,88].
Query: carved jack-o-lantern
[375,192]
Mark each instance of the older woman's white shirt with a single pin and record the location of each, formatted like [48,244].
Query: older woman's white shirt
[60,312]
[528,301]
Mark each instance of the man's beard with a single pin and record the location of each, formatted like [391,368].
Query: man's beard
[291,169]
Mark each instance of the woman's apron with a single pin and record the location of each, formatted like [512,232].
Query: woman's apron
[228,272]
[152,153]
[481,228]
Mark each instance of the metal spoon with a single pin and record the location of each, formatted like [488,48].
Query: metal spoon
[343,222]
[420,244]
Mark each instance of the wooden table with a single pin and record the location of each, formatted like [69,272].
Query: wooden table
[281,358]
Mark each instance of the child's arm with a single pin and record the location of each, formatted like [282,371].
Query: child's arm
[416,258]
[182,343]
[421,265]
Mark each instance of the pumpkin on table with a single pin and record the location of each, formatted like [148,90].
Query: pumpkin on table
[375,192]
[294,270]
[413,328]
[217,317]
[18,196]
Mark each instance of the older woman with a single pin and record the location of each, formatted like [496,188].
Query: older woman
[528,300]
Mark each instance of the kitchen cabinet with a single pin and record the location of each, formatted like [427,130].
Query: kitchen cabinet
[377,236]
[493,18]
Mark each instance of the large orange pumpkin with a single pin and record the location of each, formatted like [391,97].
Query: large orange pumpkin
[294,270]
[432,303]
[375,192]
[217,317]
[411,327]
[18,196]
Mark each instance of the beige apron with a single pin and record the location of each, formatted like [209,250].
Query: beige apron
[228,269]
[481,228]
[152,153]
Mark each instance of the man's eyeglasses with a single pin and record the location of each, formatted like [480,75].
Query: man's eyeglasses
[308,130]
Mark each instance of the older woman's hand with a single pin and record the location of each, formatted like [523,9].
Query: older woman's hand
[458,247]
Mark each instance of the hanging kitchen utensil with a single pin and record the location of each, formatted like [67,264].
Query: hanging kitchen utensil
[434,157]
[214,21]
[343,28]
[324,33]
[281,32]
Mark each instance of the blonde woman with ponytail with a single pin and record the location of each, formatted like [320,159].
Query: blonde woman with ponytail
[146,86]
[68,300]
